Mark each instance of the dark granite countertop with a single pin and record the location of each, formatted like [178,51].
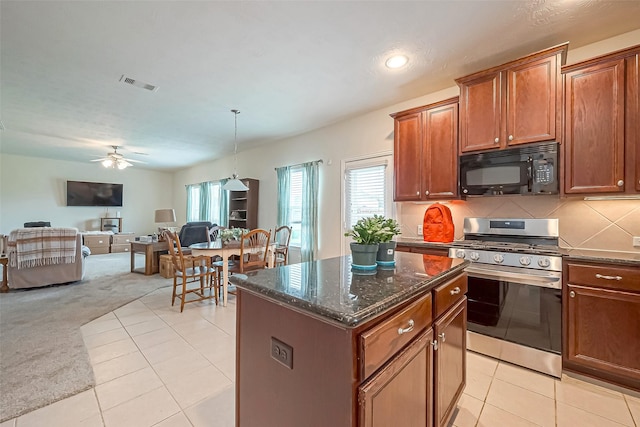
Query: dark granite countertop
[420,243]
[618,257]
[330,289]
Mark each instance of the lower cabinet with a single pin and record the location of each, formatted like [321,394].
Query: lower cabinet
[602,322]
[421,385]
[397,394]
[450,361]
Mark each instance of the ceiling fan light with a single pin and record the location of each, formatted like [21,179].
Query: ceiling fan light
[121,164]
[107,163]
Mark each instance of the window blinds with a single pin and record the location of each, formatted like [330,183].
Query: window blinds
[364,192]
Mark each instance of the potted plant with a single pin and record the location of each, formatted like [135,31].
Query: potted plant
[365,242]
[389,227]
[232,236]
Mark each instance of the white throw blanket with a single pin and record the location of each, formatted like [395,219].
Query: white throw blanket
[33,247]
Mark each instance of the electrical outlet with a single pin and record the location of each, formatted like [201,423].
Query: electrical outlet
[282,352]
[636,242]
[420,230]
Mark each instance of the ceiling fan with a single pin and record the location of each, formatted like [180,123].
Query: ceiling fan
[116,160]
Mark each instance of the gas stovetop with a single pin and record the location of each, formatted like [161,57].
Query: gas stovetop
[527,248]
[523,243]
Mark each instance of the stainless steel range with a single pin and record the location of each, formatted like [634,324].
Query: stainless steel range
[515,290]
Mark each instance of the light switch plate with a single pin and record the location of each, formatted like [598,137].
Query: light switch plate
[420,230]
[636,241]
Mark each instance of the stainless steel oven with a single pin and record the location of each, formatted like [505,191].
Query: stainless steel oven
[515,290]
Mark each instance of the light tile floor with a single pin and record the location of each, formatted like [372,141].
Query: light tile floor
[155,366]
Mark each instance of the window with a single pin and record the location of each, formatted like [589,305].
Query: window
[193,203]
[367,191]
[295,207]
[203,202]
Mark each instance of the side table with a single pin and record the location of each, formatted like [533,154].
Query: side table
[151,252]
[4,261]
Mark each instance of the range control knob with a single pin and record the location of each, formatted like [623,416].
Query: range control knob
[460,253]
[498,258]
[474,256]
[525,260]
[544,262]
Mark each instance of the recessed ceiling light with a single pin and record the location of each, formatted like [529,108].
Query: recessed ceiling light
[396,61]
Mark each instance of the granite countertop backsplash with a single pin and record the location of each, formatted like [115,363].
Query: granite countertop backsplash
[329,288]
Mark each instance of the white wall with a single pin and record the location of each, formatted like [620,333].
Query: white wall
[34,189]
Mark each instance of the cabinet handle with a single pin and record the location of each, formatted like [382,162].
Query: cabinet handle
[510,137]
[442,337]
[600,276]
[434,344]
[417,193]
[496,140]
[455,291]
[620,183]
[407,329]
[426,193]
[572,294]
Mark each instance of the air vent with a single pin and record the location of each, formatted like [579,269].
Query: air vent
[138,83]
[1,125]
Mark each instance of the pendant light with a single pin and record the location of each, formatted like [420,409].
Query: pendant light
[234,184]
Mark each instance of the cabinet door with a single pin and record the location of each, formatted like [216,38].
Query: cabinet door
[440,154]
[400,394]
[603,327]
[594,128]
[480,112]
[450,361]
[407,155]
[532,102]
[632,142]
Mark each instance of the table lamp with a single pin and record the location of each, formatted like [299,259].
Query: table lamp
[164,216]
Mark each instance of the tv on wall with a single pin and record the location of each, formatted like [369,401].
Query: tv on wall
[93,194]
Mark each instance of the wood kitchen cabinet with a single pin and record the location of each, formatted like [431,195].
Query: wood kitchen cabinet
[425,147]
[515,103]
[601,124]
[601,321]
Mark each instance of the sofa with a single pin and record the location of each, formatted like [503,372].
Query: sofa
[44,269]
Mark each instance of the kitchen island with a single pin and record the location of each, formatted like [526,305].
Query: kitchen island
[320,344]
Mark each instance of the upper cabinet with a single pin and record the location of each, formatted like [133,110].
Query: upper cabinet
[425,152]
[515,103]
[601,125]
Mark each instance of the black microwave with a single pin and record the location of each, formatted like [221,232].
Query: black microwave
[531,169]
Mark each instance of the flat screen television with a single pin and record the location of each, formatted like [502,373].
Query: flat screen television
[81,193]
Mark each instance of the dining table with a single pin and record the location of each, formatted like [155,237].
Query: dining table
[225,251]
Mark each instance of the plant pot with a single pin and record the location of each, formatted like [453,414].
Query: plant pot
[363,256]
[386,252]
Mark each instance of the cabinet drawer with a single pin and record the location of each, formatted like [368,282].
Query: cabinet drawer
[121,248]
[97,241]
[447,294]
[380,343]
[605,276]
[99,250]
[121,239]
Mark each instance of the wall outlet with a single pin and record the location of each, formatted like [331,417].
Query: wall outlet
[282,352]
[636,242]
[420,230]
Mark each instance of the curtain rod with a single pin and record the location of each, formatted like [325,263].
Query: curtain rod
[300,164]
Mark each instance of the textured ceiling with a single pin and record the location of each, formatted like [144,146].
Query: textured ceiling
[290,67]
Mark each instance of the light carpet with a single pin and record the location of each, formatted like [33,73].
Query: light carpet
[42,354]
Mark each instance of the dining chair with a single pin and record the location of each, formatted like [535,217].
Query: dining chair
[189,269]
[213,232]
[282,239]
[254,247]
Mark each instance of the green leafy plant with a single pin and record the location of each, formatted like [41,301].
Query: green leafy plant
[232,234]
[372,230]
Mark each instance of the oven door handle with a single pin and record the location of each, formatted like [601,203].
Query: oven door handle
[544,279]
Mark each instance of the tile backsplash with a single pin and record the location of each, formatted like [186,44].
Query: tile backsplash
[602,225]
